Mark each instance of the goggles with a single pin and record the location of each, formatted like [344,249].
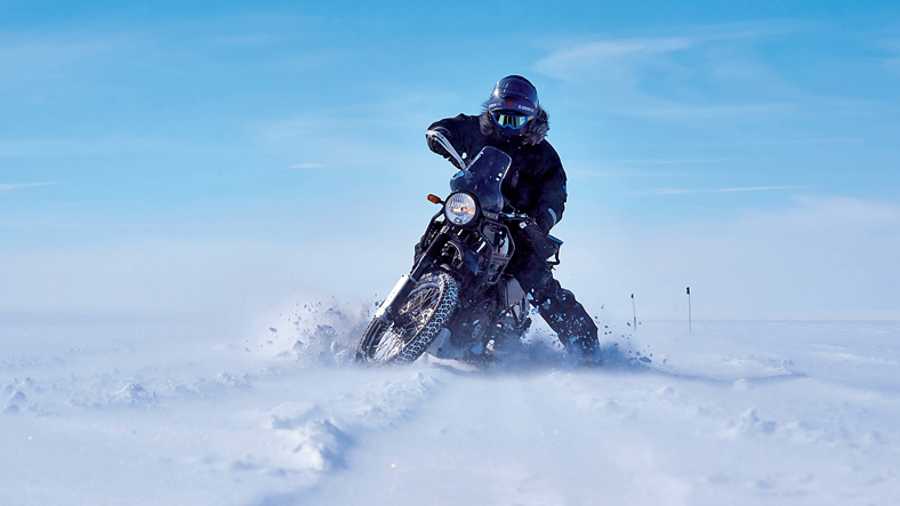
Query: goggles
[510,120]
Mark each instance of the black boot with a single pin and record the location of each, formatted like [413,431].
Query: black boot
[568,318]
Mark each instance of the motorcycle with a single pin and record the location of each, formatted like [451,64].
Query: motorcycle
[458,300]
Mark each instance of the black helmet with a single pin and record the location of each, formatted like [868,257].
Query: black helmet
[513,103]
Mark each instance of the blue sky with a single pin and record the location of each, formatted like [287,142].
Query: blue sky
[282,121]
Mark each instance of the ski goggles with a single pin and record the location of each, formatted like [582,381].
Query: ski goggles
[510,120]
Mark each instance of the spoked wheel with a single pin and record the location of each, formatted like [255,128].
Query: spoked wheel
[416,323]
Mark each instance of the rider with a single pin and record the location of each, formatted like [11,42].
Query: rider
[513,121]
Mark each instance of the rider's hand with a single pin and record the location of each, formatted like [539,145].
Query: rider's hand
[545,221]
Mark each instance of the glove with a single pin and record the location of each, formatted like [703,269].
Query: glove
[546,219]
[537,238]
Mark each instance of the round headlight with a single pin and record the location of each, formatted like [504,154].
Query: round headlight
[460,208]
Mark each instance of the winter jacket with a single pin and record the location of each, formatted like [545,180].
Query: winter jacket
[536,183]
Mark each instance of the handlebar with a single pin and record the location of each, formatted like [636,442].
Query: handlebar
[515,216]
[445,143]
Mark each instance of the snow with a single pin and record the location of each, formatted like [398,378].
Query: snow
[114,411]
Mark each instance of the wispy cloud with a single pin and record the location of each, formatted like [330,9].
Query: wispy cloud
[671,161]
[615,54]
[8,187]
[306,166]
[733,189]
[642,168]
[671,110]
[100,146]
[568,62]
[700,73]
[52,51]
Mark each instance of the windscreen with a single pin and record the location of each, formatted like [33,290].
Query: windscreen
[483,178]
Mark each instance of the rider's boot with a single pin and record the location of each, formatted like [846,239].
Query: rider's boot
[572,324]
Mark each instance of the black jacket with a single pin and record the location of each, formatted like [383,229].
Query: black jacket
[536,184]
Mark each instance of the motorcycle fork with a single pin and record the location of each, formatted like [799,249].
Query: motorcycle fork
[409,281]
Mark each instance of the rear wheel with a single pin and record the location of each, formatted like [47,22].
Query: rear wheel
[416,322]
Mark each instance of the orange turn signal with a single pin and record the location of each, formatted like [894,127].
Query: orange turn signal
[434,199]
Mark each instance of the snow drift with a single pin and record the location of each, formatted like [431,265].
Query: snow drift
[736,413]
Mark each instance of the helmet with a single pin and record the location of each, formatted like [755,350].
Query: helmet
[512,104]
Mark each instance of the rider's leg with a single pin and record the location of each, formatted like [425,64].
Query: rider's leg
[558,306]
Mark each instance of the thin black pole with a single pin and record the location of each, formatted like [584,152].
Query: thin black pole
[690,318]
[633,313]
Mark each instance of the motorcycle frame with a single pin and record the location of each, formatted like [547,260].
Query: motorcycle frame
[448,247]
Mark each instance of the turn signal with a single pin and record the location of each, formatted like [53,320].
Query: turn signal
[434,199]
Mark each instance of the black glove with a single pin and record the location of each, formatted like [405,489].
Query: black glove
[537,238]
[545,221]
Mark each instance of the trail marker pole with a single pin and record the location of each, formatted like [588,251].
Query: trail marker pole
[633,313]
[690,319]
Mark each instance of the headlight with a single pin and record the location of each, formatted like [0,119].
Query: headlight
[460,208]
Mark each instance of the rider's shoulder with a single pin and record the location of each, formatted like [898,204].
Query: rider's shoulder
[465,123]
[548,152]
[460,120]
[464,118]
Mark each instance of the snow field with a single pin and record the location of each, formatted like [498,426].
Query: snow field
[177,413]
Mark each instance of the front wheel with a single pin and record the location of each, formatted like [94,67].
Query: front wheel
[416,322]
